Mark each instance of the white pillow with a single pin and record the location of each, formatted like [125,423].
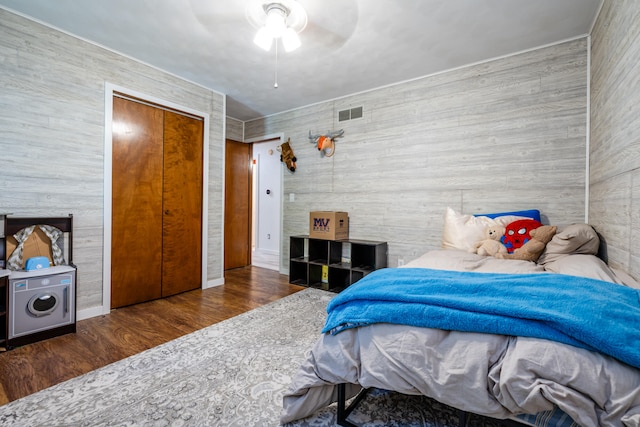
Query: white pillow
[463,231]
[573,239]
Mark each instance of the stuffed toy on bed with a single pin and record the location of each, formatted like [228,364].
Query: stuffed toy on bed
[516,233]
[532,250]
[492,244]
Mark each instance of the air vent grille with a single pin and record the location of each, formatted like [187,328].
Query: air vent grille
[350,114]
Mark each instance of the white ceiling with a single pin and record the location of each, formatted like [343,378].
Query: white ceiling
[349,46]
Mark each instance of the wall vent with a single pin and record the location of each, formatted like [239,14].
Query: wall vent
[351,114]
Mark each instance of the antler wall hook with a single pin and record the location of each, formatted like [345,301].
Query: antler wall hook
[326,143]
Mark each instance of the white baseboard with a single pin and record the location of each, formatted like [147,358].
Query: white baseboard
[265,265]
[90,312]
[214,283]
[266,259]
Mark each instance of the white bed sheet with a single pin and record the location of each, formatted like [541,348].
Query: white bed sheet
[493,375]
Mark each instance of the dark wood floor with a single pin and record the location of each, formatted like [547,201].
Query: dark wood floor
[130,330]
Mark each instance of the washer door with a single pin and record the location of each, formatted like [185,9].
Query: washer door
[43,304]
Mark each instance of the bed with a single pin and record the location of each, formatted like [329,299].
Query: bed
[506,339]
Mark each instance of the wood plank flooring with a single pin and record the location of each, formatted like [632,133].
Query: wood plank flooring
[130,330]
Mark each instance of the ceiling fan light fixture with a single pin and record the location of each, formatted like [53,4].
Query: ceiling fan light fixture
[290,40]
[276,19]
[263,39]
[282,19]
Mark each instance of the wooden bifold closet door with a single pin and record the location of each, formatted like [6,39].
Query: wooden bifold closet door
[156,229]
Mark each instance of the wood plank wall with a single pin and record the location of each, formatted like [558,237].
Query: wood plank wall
[52,135]
[234,129]
[504,134]
[614,197]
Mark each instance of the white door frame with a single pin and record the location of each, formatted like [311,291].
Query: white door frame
[108,153]
[280,137]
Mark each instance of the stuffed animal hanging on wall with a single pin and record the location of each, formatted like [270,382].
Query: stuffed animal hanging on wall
[326,143]
[286,155]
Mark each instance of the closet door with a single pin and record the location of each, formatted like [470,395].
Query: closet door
[156,243]
[136,219]
[182,204]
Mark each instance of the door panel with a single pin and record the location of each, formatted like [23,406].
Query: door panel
[268,168]
[182,204]
[136,224]
[237,206]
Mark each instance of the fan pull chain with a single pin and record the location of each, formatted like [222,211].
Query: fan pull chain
[275,85]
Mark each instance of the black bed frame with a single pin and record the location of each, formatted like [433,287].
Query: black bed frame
[344,411]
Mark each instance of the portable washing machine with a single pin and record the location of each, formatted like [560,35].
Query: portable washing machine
[41,302]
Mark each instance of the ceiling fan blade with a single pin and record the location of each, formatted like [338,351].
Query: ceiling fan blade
[330,23]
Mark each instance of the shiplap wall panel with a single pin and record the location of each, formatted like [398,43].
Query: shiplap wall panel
[609,199]
[504,134]
[52,140]
[234,129]
[634,229]
[614,207]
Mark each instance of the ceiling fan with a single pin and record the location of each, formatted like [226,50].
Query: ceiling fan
[329,24]
[277,19]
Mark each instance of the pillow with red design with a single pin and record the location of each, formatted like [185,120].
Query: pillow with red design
[462,231]
[517,233]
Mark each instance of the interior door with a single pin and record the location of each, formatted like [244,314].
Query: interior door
[237,206]
[136,221]
[157,177]
[267,197]
[182,204]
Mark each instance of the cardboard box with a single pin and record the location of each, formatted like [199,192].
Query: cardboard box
[329,225]
[36,245]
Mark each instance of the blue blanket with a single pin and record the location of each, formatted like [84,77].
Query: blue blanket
[582,312]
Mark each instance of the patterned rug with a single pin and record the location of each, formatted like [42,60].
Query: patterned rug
[233,373]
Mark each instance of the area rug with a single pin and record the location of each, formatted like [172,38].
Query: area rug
[233,373]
